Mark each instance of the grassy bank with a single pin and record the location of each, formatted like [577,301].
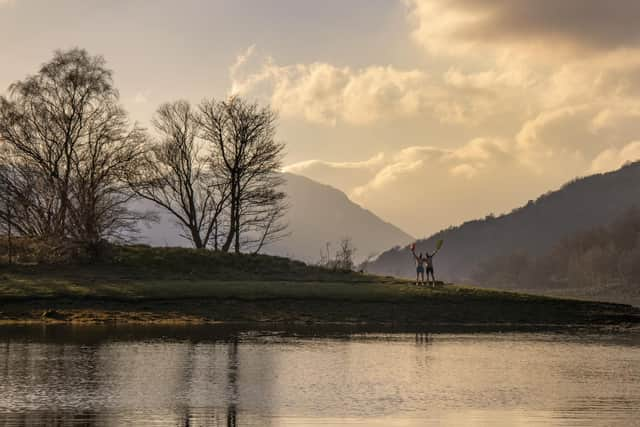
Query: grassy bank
[145,285]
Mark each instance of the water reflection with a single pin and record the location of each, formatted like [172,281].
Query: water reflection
[72,377]
[232,374]
[422,338]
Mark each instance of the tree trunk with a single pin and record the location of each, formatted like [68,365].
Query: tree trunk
[215,236]
[232,222]
[237,227]
[197,241]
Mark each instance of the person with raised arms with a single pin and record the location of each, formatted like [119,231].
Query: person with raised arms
[423,261]
[420,262]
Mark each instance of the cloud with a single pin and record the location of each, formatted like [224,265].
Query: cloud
[466,170]
[572,27]
[141,98]
[326,94]
[514,77]
[584,136]
[323,93]
[552,124]
[538,57]
[309,164]
[406,162]
[480,150]
[240,61]
[426,188]
[612,78]
[542,90]
[465,161]
[358,178]
[342,175]
[377,181]
[612,159]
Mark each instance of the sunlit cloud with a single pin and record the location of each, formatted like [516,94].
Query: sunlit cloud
[612,158]
[327,94]
[323,93]
[440,187]
[309,164]
[465,161]
[547,28]
[342,175]
[140,98]
[567,77]
[490,100]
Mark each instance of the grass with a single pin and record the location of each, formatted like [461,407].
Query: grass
[16,287]
[157,284]
[141,272]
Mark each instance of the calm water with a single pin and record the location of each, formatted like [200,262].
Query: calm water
[102,376]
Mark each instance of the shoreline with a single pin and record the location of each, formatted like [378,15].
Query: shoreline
[181,328]
[545,314]
[164,286]
[113,319]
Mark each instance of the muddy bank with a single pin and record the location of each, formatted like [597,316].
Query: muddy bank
[482,313]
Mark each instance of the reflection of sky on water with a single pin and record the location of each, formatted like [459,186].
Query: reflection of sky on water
[391,380]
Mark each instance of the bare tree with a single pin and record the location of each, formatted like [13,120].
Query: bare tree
[343,259]
[176,176]
[325,257]
[263,213]
[345,254]
[65,133]
[27,204]
[245,153]
[99,204]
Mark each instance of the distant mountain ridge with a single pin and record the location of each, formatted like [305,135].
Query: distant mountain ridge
[318,214]
[579,205]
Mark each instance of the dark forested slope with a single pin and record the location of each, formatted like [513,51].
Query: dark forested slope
[534,228]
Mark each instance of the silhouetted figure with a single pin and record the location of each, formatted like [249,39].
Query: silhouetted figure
[424,262]
[420,264]
[429,262]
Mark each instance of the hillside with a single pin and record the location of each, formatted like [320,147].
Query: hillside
[534,228]
[602,263]
[318,214]
[174,285]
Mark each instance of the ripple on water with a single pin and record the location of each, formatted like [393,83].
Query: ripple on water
[267,379]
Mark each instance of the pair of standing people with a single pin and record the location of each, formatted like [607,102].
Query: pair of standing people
[424,262]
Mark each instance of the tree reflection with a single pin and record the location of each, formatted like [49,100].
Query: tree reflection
[232,378]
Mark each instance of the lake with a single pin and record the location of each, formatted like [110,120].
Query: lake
[211,376]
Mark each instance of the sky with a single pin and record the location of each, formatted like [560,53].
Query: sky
[426,112]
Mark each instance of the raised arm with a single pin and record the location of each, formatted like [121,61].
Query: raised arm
[413,251]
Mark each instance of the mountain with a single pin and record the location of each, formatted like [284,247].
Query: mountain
[602,263]
[318,214]
[534,228]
